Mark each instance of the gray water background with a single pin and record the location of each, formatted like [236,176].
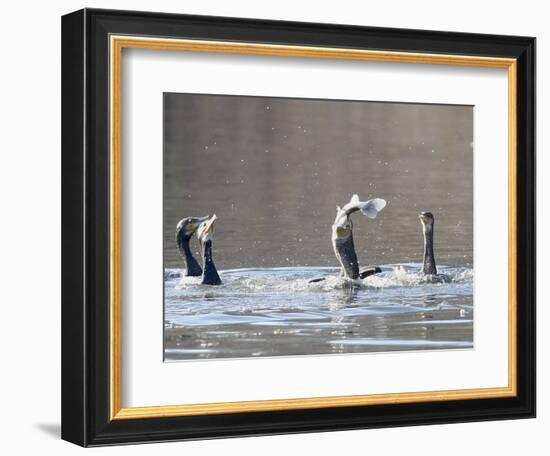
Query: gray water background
[274,170]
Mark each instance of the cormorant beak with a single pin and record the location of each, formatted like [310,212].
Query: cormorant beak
[202,220]
[207,226]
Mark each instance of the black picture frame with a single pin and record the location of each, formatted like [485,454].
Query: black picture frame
[85,223]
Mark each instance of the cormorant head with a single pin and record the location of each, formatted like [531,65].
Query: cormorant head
[342,226]
[189,225]
[426,218]
[206,228]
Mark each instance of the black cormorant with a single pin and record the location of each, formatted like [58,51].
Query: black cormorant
[342,237]
[185,229]
[210,275]
[429,268]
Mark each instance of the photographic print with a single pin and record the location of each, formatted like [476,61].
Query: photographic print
[315,227]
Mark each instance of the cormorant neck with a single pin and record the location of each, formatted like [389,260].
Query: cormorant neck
[210,274]
[193,267]
[429,260]
[344,249]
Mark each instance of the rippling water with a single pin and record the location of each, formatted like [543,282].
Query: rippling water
[275,311]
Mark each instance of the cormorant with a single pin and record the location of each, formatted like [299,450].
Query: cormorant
[185,230]
[204,233]
[429,268]
[342,237]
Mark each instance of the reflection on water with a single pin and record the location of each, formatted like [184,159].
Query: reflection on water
[275,311]
[274,170]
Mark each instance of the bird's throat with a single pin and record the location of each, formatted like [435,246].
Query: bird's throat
[344,249]
[193,267]
[429,266]
[210,274]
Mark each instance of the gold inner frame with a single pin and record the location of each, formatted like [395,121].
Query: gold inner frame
[117,44]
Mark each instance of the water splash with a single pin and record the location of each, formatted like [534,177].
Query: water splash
[298,278]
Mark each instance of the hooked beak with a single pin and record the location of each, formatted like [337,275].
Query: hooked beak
[207,226]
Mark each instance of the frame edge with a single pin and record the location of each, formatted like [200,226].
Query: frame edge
[73,303]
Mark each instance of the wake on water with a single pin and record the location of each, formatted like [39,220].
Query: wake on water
[297,279]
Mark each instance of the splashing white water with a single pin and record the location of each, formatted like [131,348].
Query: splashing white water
[297,279]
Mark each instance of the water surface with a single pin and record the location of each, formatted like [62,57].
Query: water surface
[275,311]
[274,170]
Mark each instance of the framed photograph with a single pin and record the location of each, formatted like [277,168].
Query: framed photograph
[277,227]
